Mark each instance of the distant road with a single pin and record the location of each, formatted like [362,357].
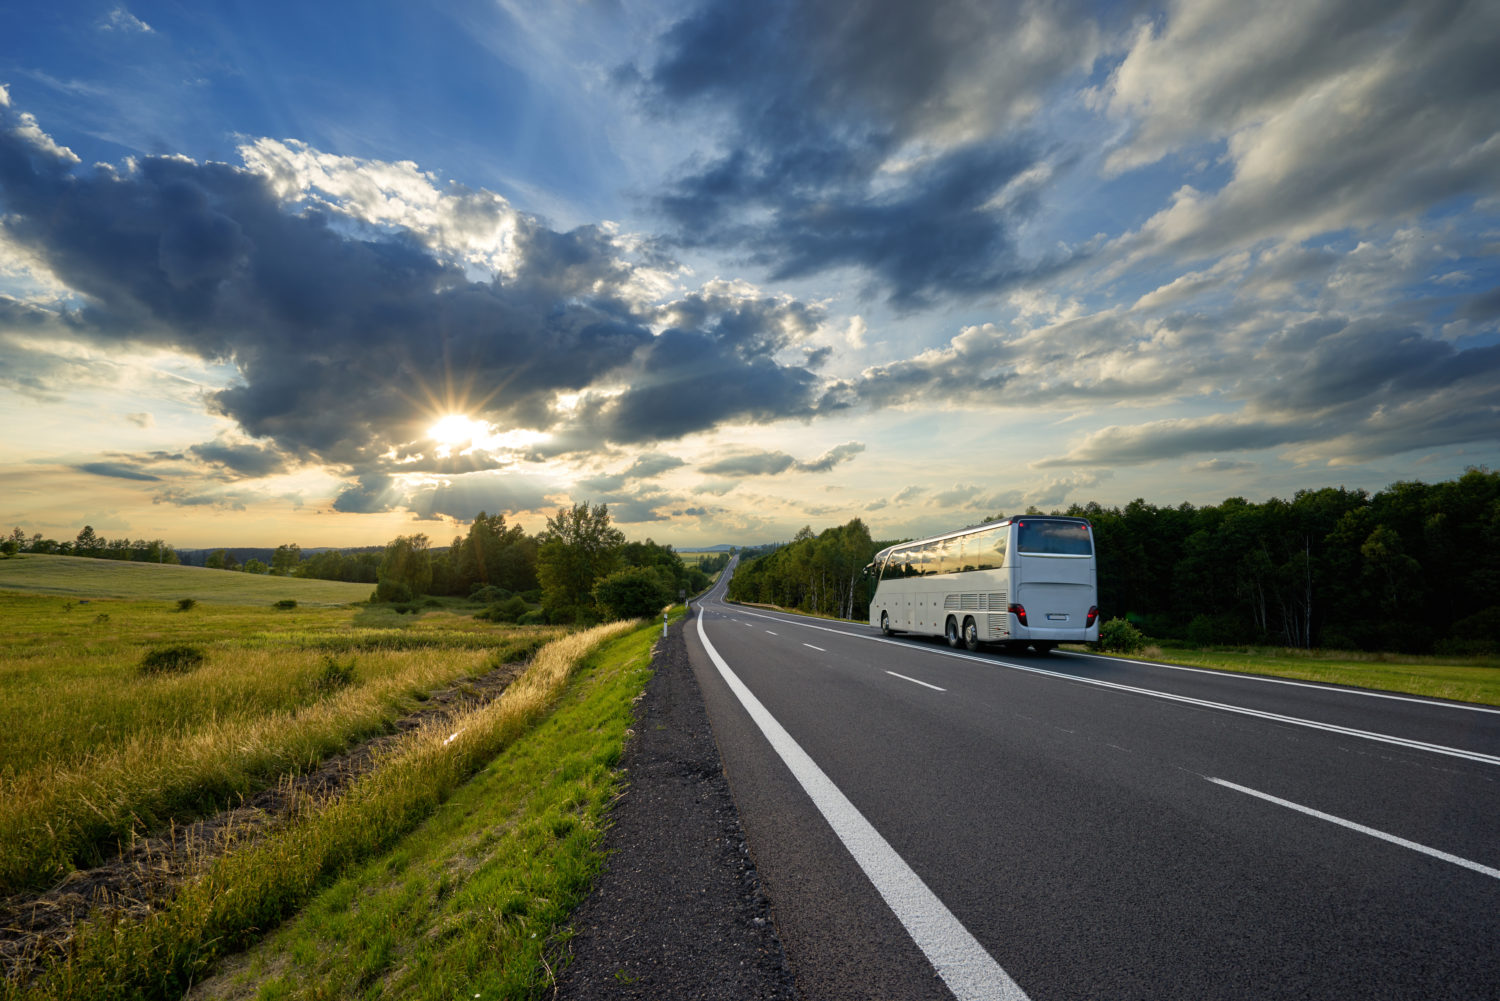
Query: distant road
[934,823]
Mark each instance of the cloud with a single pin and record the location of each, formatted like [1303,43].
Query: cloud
[118,470]
[141,420]
[1223,466]
[243,459]
[887,137]
[343,292]
[763,463]
[1332,115]
[120,19]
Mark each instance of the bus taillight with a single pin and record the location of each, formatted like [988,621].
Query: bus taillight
[1093,614]
[1019,611]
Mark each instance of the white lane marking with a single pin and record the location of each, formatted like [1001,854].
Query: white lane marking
[1361,828]
[914,681]
[1416,745]
[970,972]
[817,648]
[769,633]
[1241,676]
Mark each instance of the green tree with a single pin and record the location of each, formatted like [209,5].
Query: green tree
[578,548]
[87,543]
[221,559]
[284,561]
[407,562]
[633,593]
[256,566]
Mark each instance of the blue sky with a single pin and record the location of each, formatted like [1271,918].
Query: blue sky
[329,273]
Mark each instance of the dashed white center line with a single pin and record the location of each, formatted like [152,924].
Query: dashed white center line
[914,681]
[817,648]
[769,633]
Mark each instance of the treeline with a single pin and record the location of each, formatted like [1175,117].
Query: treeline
[578,569]
[820,573]
[88,543]
[1411,568]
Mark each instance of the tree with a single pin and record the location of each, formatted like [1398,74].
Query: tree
[408,563]
[221,559]
[284,561]
[87,543]
[256,566]
[633,593]
[578,548]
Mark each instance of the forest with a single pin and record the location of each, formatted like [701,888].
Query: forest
[1411,568]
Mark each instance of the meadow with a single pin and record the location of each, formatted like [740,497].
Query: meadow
[82,577]
[122,717]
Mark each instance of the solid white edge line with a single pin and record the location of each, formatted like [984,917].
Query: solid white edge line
[914,681]
[970,972]
[1416,745]
[1361,828]
[1242,676]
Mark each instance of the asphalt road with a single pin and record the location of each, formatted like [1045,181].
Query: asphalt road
[932,823]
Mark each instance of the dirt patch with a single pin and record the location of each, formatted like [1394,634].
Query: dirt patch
[35,926]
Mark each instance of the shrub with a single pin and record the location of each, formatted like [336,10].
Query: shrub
[392,590]
[335,675]
[536,618]
[177,659]
[633,593]
[186,604]
[1119,636]
[488,593]
[509,610]
[286,603]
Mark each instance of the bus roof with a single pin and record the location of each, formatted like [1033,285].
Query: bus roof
[978,528]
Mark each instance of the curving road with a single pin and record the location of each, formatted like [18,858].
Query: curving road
[932,823]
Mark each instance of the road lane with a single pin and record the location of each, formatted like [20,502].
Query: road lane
[1075,832]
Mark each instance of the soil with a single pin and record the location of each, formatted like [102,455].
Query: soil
[146,871]
[679,912]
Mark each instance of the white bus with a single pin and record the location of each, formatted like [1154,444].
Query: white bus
[1028,580]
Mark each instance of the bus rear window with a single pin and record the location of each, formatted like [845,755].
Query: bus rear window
[1057,538]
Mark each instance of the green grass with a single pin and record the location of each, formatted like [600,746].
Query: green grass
[476,897]
[473,904]
[82,577]
[93,747]
[1463,680]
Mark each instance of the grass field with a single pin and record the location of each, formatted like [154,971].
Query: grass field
[82,577]
[1461,679]
[96,748]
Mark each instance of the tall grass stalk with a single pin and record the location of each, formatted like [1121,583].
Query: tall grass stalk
[243,893]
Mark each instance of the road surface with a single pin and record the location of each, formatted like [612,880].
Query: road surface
[932,823]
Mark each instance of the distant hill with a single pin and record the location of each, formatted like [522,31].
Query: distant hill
[82,577]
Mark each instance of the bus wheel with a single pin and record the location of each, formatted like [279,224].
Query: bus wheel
[951,631]
[885,624]
[971,635]
[1043,648]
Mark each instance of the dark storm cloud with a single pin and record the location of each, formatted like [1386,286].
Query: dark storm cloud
[827,104]
[350,340]
[243,459]
[117,470]
[496,493]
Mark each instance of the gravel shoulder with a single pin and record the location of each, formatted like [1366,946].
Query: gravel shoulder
[679,912]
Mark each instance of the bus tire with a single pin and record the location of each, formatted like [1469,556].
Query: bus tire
[1043,648]
[971,635]
[951,631]
[885,625]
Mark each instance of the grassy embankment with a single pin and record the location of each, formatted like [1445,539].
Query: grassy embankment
[97,747]
[1465,679]
[81,577]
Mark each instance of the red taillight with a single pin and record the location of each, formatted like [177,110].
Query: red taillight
[1019,611]
[1093,614]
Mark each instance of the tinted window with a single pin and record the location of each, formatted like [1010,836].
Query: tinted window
[1062,538]
[985,550]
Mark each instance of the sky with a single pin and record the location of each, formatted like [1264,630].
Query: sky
[332,273]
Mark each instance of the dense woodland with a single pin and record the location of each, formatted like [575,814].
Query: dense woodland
[1412,568]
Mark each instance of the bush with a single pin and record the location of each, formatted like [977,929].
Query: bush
[335,675]
[488,593]
[1119,636]
[509,610]
[286,603]
[177,659]
[633,593]
[536,618]
[186,604]
[391,590]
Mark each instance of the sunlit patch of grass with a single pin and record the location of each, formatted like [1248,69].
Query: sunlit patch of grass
[541,802]
[82,577]
[1460,679]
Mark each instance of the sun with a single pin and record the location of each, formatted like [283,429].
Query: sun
[457,431]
